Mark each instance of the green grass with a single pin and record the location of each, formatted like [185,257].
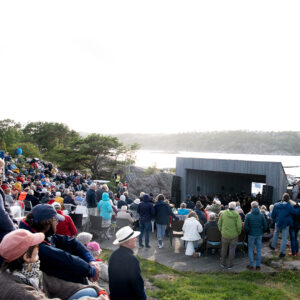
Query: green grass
[218,286]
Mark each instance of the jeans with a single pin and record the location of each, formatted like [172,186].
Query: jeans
[161,229]
[254,240]
[87,292]
[285,234]
[144,226]
[294,240]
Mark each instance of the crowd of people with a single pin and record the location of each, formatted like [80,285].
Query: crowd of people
[53,254]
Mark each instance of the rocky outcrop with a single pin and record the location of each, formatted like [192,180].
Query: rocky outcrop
[160,183]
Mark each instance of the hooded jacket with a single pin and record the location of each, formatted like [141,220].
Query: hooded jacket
[146,209]
[162,212]
[282,214]
[255,223]
[230,224]
[105,207]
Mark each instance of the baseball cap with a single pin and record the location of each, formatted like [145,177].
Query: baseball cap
[43,212]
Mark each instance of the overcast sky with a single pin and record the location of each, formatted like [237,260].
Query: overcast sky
[151,66]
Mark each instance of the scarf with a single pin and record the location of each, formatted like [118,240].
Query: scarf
[31,275]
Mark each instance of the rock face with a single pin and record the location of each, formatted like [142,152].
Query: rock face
[160,183]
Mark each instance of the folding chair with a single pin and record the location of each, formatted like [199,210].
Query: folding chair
[96,227]
[27,207]
[176,229]
[77,219]
[242,242]
[213,239]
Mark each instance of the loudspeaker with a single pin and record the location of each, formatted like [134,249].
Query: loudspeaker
[176,199]
[176,183]
[267,195]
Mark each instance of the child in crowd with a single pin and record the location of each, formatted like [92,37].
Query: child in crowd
[95,250]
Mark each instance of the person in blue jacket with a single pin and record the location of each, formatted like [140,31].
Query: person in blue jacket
[255,225]
[105,208]
[163,212]
[146,211]
[282,216]
[60,255]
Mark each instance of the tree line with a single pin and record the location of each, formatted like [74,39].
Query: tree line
[99,155]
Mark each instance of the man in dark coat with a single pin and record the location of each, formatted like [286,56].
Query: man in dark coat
[91,200]
[163,212]
[125,279]
[146,211]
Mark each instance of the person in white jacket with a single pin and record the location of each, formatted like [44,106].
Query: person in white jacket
[191,233]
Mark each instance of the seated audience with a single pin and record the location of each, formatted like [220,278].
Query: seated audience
[182,211]
[85,237]
[60,256]
[21,277]
[95,250]
[66,227]
[123,214]
[191,233]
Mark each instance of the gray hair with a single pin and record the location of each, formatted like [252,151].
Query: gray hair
[84,237]
[232,205]
[254,204]
[212,217]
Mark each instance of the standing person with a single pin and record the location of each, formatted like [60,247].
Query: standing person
[106,210]
[91,200]
[146,211]
[230,226]
[294,232]
[6,223]
[163,212]
[125,279]
[282,215]
[255,225]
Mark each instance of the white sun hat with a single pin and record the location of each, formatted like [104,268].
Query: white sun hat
[124,234]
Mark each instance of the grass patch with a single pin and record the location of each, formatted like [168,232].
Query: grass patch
[218,286]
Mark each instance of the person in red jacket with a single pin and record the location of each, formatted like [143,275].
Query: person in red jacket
[66,227]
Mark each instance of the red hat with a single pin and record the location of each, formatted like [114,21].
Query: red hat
[17,242]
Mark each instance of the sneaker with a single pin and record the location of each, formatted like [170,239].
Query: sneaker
[141,246]
[250,268]
[271,247]
[148,246]
[159,246]
[281,255]
[291,254]
[257,268]
[196,254]
[229,268]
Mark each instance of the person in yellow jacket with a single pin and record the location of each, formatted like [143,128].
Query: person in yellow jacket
[58,198]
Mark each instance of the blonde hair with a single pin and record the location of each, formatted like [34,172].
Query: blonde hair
[193,214]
